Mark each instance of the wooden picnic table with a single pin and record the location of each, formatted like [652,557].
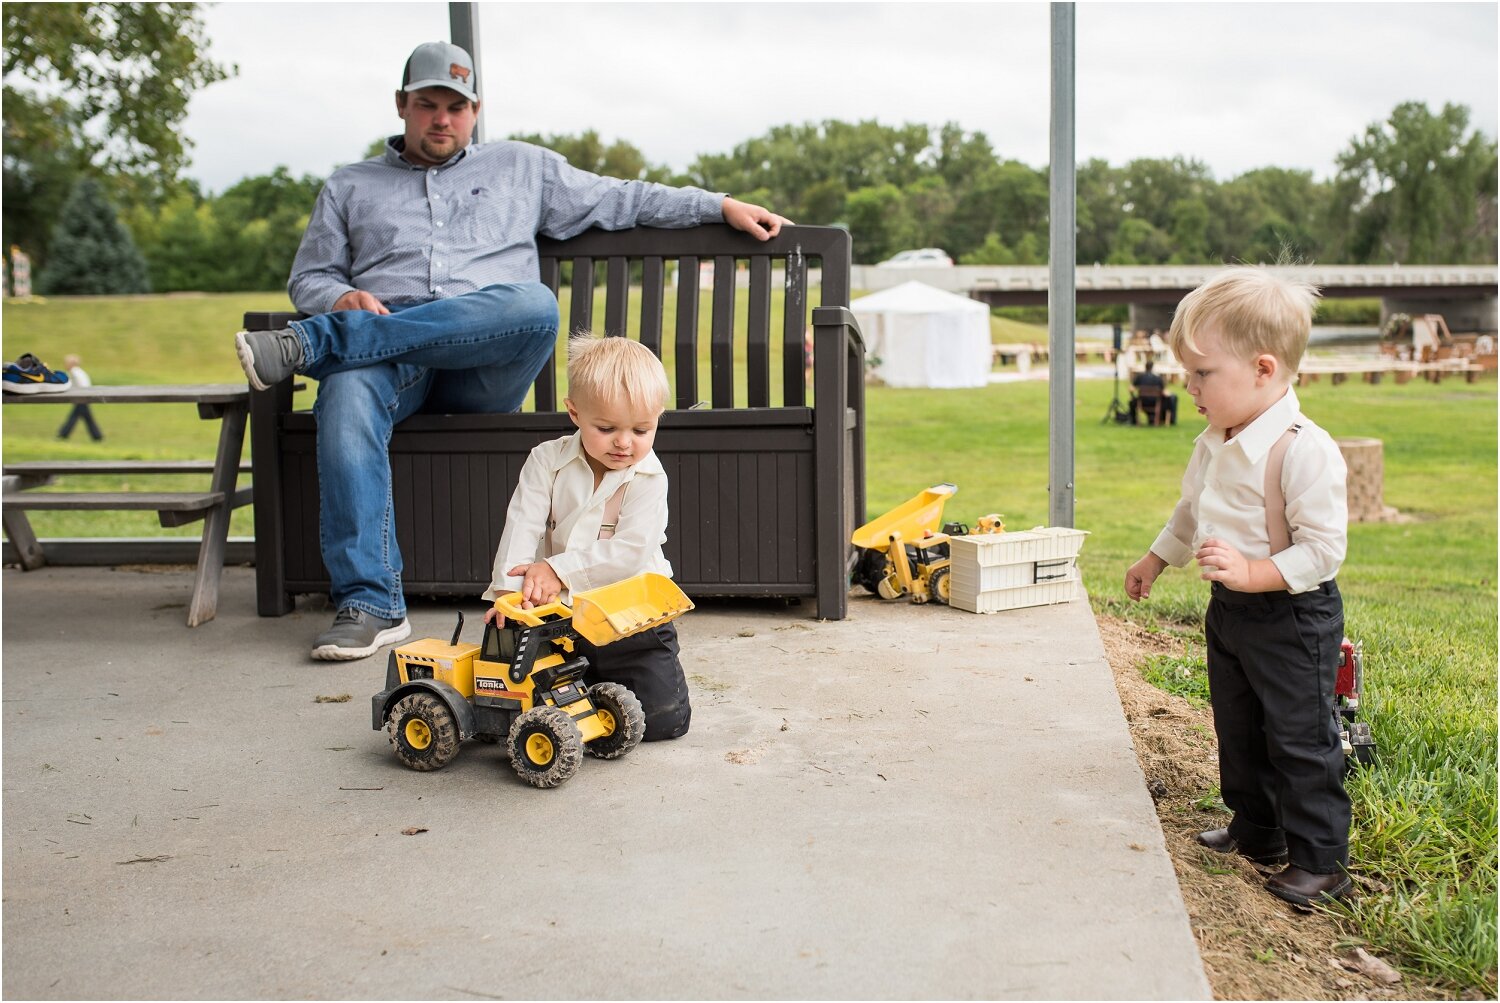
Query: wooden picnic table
[224,402]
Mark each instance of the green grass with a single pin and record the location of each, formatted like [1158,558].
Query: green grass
[1420,594]
[1186,676]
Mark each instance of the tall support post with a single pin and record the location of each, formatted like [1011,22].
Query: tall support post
[1061,284]
[463,29]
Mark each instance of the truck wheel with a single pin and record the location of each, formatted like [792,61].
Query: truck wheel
[870,569]
[1363,742]
[423,732]
[545,746]
[624,721]
[940,586]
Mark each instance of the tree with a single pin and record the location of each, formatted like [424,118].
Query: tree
[823,158]
[590,153]
[878,222]
[1008,200]
[98,89]
[244,239]
[1266,215]
[1137,242]
[1100,210]
[91,252]
[1418,188]
[182,244]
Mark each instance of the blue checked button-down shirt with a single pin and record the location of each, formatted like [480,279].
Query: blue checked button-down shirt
[405,233]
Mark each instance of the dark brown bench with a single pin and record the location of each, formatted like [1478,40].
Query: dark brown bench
[765,492]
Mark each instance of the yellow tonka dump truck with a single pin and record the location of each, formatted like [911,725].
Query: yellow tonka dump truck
[902,552]
[523,684]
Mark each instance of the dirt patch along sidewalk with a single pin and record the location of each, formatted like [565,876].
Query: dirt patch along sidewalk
[1254,946]
[910,803]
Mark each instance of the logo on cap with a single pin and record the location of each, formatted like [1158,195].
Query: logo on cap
[458,72]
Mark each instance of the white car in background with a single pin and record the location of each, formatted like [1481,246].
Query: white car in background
[922,257]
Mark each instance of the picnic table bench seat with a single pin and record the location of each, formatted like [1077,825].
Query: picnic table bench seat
[173,508]
[765,465]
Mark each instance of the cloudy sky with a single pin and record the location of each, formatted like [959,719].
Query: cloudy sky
[1234,85]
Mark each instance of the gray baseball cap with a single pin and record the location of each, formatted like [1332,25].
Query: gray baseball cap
[441,64]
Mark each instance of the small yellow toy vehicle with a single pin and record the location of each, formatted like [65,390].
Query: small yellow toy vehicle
[523,684]
[902,552]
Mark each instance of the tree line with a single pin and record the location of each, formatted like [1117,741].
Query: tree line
[1416,188]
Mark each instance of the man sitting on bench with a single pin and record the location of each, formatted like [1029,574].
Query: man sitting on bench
[420,269]
[1151,398]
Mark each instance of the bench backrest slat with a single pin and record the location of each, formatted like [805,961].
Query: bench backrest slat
[721,339]
[653,279]
[686,335]
[739,324]
[546,380]
[616,296]
[758,334]
[794,348]
[581,312]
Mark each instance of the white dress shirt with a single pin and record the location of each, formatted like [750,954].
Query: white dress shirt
[1224,496]
[557,483]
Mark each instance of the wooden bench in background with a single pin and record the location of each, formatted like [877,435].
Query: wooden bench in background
[764,493]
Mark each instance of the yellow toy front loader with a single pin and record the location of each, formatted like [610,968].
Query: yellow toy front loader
[523,684]
[903,553]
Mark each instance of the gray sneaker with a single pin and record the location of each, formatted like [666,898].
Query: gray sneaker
[268,357]
[357,634]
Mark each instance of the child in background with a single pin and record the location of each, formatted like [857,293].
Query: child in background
[590,510]
[1271,545]
[81,412]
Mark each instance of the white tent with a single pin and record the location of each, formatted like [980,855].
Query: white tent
[925,337]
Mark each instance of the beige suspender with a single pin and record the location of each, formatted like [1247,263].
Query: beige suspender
[612,512]
[612,506]
[1277,529]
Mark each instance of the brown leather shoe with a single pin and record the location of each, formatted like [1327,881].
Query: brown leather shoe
[1220,841]
[1304,888]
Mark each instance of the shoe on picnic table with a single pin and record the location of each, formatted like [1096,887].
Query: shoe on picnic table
[357,634]
[27,375]
[268,357]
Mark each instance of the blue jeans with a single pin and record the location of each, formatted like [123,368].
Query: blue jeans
[477,353]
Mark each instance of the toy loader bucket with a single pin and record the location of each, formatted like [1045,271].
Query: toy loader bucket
[911,519]
[607,614]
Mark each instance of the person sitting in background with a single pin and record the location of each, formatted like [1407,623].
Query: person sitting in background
[1148,378]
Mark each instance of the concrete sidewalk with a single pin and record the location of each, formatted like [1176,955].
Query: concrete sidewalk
[915,802]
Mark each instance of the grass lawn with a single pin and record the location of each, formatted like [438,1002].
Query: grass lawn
[1419,594]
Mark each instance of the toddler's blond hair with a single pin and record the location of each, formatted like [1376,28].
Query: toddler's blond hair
[1257,313]
[606,371]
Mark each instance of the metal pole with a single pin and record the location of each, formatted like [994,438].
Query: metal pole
[1061,282]
[463,27]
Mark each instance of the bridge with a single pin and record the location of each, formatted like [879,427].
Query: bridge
[1464,294]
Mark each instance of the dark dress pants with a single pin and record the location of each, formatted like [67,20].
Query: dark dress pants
[1272,665]
[647,665]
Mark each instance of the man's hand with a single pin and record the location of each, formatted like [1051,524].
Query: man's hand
[1141,574]
[358,299]
[757,221]
[540,584]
